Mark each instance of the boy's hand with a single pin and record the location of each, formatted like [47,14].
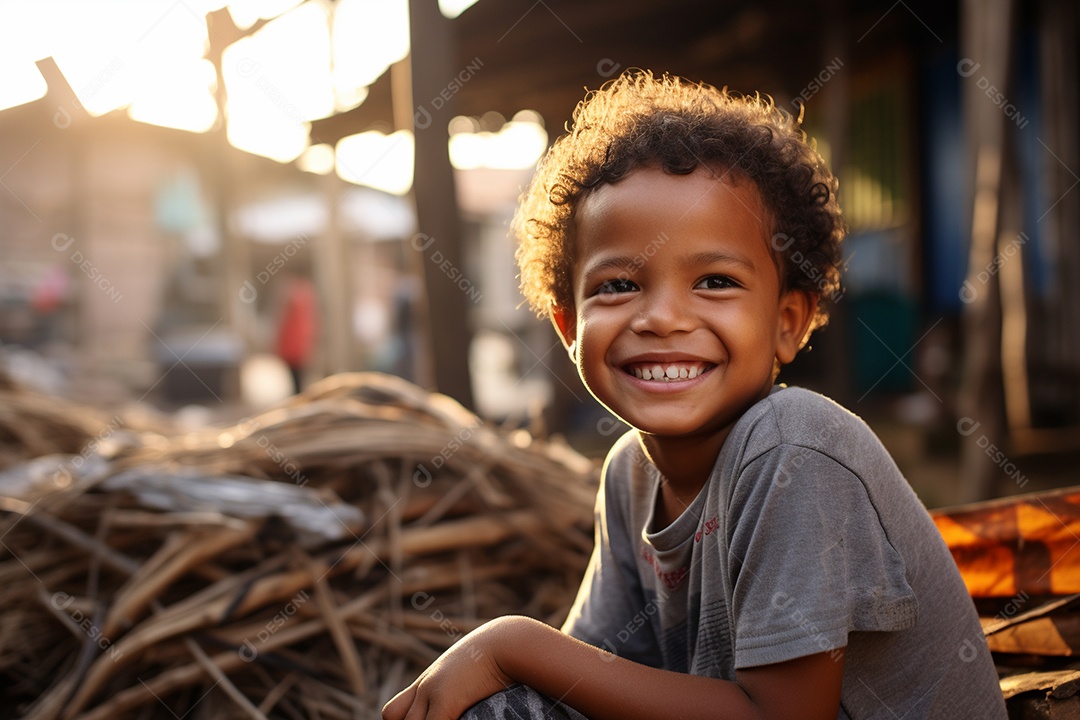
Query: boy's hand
[462,676]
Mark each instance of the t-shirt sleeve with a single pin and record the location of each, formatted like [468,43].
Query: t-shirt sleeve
[610,611]
[809,560]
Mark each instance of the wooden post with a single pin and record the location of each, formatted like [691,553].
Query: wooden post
[221,175]
[837,99]
[331,267]
[1060,344]
[434,66]
[985,47]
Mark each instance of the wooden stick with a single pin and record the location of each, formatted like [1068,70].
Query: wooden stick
[177,678]
[77,538]
[222,680]
[340,634]
[277,692]
[174,559]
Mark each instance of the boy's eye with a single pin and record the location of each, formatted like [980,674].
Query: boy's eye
[618,285]
[717,282]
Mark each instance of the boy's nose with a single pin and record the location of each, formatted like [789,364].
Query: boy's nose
[663,313]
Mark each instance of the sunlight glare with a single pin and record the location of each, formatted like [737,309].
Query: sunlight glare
[277,80]
[23,83]
[246,13]
[111,52]
[27,30]
[183,98]
[369,37]
[318,159]
[517,145]
[453,8]
[383,162]
[24,39]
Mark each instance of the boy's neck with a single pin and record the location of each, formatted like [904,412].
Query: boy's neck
[685,463]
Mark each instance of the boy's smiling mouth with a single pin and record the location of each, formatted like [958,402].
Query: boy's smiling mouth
[667,371]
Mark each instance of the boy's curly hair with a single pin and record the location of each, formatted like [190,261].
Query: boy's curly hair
[638,120]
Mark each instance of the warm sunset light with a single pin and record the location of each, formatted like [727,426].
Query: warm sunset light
[111,55]
[309,60]
[518,144]
[277,80]
[369,36]
[384,162]
[246,13]
[453,8]
[318,159]
[22,84]
[182,99]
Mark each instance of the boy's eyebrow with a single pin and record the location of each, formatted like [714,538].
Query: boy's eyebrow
[617,262]
[621,262]
[708,258]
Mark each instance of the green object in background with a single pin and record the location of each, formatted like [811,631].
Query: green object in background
[883,330]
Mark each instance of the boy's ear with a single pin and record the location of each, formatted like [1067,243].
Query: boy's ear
[565,322]
[797,309]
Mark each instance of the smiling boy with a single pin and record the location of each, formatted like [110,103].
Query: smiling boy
[758,554]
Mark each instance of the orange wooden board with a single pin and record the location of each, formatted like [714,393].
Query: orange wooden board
[1028,543]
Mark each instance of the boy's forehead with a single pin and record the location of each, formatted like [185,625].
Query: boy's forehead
[626,199]
[631,206]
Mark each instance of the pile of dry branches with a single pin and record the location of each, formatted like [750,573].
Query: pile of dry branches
[303,563]
[34,424]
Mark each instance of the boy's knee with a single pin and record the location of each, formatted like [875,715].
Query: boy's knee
[520,702]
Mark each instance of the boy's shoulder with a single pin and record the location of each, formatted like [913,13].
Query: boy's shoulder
[801,417]
[790,404]
[787,416]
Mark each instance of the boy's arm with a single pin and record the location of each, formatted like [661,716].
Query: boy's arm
[600,685]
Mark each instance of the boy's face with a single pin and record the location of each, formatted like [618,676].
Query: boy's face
[679,313]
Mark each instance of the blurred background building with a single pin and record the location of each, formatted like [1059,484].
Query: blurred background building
[168,170]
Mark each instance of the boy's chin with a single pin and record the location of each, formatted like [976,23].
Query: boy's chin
[673,428]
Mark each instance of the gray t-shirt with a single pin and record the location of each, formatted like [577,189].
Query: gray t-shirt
[805,539]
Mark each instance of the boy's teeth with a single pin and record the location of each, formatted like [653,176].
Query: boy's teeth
[667,373]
